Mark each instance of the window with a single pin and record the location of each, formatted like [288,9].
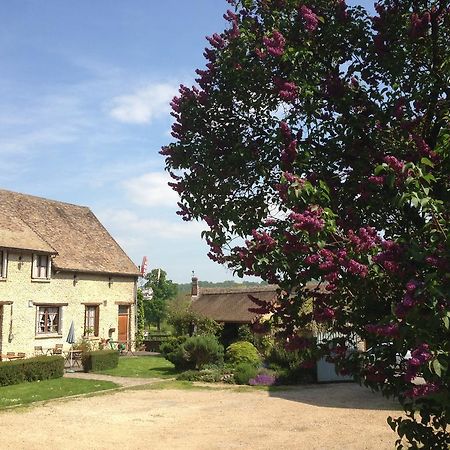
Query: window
[48,320]
[41,266]
[91,320]
[3,264]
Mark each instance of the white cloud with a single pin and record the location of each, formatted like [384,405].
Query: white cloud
[151,189]
[128,224]
[144,105]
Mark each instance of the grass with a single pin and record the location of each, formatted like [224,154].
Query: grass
[26,393]
[172,384]
[190,385]
[142,367]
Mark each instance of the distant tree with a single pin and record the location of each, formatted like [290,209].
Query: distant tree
[163,290]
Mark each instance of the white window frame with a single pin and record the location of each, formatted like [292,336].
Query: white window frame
[36,270]
[3,264]
[58,332]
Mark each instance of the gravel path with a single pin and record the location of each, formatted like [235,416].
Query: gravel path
[319,417]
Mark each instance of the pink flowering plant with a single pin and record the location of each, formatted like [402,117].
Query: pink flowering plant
[315,146]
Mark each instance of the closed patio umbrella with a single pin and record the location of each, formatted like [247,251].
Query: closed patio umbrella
[71,339]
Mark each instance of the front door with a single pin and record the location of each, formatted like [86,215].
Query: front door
[124,319]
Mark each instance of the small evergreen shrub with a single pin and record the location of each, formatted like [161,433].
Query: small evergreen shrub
[244,372]
[31,369]
[201,350]
[173,352]
[100,360]
[243,352]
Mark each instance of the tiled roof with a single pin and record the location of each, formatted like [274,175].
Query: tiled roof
[71,232]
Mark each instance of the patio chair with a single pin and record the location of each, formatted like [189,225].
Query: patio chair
[10,355]
[77,359]
[21,355]
[38,350]
[58,349]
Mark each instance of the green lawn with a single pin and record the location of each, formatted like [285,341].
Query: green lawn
[142,367]
[26,393]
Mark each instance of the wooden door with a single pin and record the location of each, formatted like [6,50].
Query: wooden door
[124,319]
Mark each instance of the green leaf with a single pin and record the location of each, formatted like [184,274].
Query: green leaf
[437,367]
[426,162]
[379,169]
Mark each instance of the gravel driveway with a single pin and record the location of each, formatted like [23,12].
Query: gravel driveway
[325,417]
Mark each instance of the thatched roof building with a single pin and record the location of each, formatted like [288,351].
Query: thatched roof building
[71,233]
[231,305]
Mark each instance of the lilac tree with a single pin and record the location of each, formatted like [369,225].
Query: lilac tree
[316,147]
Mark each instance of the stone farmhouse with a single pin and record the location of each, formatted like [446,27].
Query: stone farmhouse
[58,264]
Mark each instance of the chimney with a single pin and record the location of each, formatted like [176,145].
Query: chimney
[194,287]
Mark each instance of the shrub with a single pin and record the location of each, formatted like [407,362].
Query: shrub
[244,372]
[173,352]
[207,376]
[202,350]
[298,375]
[243,352]
[31,369]
[187,322]
[100,360]
[278,357]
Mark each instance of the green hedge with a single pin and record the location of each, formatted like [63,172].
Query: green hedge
[31,369]
[100,360]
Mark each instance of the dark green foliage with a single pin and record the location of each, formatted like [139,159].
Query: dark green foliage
[31,369]
[171,344]
[244,372]
[172,351]
[243,352]
[163,289]
[297,375]
[279,357]
[245,334]
[187,322]
[203,350]
[100,360]
[207,376]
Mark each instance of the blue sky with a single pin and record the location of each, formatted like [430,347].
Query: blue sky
[84,89]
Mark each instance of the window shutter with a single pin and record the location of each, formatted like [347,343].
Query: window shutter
[97,320]
[34,272]
[4,265]
[49,267]
[86,319]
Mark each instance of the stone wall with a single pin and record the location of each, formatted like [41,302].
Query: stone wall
[18,321]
